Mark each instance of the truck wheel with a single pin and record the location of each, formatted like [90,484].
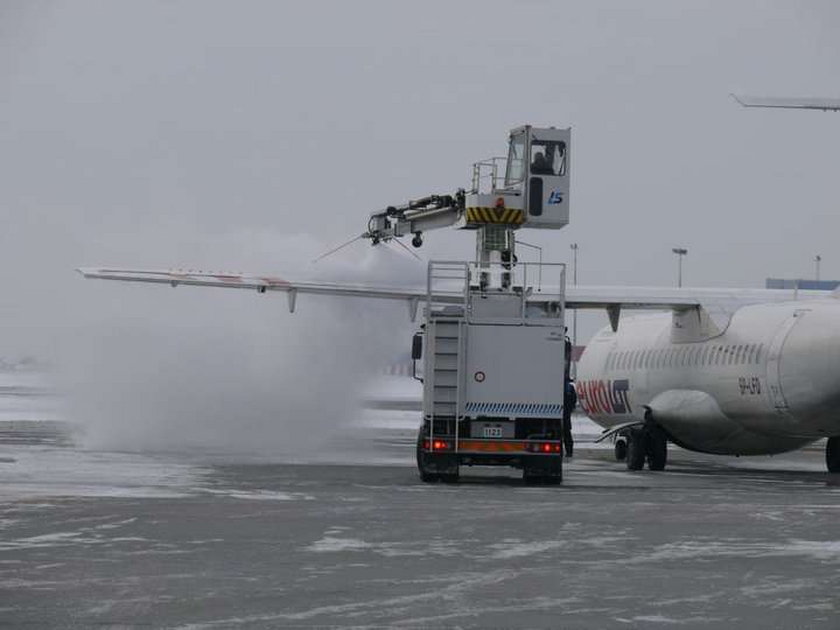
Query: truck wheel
[425,475]
[428,477]
[636,449]
[832,454]
[620,449]
[450,477]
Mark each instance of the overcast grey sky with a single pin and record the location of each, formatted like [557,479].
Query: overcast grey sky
[254,135]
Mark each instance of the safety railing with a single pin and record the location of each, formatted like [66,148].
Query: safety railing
[497,292]
[485,176]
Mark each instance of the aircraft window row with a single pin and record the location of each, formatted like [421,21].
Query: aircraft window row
[685,356]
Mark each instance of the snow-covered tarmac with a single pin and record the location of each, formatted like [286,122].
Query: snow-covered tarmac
[353,539]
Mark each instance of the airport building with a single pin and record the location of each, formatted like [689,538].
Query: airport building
[801,283]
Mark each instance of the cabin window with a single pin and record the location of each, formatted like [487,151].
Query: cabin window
[516,160]
[742,354]
[548,158]
[758,353]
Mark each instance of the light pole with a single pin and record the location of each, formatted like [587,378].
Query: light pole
[574,248]
[817,261]
[680,252]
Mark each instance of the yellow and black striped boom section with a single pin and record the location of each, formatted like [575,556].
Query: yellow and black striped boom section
[507,216]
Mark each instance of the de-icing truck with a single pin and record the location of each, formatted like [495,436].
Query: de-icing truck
[492,348]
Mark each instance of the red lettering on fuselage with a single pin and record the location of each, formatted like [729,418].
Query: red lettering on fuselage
[598,397]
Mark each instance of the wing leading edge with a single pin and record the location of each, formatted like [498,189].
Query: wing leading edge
[682,302]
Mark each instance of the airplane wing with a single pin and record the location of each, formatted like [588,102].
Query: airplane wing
[824,104]
[261,284]
[682,301]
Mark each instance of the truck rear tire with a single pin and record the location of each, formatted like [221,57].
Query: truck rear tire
[427,477]
[832,454]
[543,471]
[450,477]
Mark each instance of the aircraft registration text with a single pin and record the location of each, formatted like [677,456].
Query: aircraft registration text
[749,385]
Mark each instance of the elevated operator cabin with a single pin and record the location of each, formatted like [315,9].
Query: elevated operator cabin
[534,191]
[538,168]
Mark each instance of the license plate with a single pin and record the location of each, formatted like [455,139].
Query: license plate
[492,432]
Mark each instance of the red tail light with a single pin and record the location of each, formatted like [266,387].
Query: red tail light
[544,447]
[436,445]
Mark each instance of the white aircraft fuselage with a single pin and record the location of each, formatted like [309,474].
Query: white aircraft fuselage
[769,383]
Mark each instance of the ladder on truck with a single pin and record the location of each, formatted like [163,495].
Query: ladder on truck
[446,343]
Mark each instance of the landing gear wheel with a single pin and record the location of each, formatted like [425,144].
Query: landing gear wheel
[832,454]
[636,449]
[620,450]
[657,449]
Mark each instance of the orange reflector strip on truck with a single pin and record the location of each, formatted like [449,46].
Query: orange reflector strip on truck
[491,446]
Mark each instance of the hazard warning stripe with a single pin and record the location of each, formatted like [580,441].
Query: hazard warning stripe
[521,409]
[512,216]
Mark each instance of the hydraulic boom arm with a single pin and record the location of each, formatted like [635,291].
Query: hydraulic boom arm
[415,217]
